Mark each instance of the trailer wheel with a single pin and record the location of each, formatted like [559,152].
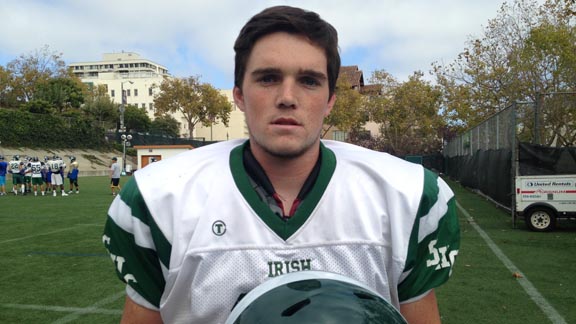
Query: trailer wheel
[541,219]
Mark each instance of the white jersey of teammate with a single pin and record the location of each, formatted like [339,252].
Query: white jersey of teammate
[36,168]
[14,166]
[57,168]
[208,239]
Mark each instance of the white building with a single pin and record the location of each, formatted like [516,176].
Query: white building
[140,79]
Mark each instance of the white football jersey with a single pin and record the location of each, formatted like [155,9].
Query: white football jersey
[190,236]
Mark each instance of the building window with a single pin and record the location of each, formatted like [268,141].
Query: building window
[151,105]
[128,93]
[143,106]
[112,93]
[150,91]
[339,136]
[135,92]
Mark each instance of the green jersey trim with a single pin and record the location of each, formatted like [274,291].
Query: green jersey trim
[284,228]
[136,265]
[131,195]
[429,261]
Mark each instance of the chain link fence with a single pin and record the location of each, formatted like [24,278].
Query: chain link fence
[525,138]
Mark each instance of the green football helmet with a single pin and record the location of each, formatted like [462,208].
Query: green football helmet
[313,297]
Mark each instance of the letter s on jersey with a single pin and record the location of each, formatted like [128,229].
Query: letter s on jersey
[439,258]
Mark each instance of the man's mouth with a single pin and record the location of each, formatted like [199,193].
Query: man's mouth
[285,122]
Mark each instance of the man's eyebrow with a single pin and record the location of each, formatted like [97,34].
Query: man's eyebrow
[308,72]
[313,73]
[262,71]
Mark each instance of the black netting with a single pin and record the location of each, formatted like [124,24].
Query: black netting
[487,171]
[545,160]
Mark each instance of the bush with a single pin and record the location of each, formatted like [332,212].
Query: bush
[24,129]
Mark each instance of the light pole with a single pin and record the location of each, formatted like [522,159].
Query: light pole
[125,141]
[123,104]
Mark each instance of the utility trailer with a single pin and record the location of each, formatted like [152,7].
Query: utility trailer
[543,199]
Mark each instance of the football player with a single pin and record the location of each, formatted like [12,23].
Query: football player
[3,172]
[189,244]
[16,167]
[73,175]
[36,167]
[57,167]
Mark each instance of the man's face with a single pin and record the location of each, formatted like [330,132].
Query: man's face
[285,95]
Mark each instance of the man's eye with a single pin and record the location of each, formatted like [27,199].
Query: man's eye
[267,79]
[310,81]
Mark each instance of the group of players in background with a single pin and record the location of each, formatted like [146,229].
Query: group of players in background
[31,175]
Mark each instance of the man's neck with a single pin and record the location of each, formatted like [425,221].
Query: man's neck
[287,175]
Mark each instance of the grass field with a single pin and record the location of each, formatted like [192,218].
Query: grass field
[54,269]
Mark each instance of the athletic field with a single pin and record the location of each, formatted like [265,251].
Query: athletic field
[54,269]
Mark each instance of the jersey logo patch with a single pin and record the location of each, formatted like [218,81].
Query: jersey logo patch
[219,228]
[439,258]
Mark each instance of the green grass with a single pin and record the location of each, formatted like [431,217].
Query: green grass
[51,255]
[483,290]
[53,264]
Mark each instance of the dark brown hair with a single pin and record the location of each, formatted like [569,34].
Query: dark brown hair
[291,20]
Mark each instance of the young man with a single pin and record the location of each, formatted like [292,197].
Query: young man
[115,173]
[36,166]
[3,171]
[190,244]
[73,175]
[16,167]
[57,167]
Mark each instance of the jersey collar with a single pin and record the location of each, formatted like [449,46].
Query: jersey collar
[244,168]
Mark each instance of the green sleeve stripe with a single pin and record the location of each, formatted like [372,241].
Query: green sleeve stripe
[427,200]
[137,266]
[431,257]
[132,197]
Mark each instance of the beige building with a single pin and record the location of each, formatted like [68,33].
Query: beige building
[139,78]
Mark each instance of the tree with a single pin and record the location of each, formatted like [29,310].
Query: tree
[100,107]
[408,114]
[197,102]
[136,119]
[62,92]
[30,70]
[526,50]
[348,112]
[7,97]
[166,125]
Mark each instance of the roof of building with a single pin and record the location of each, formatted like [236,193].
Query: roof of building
[353,75]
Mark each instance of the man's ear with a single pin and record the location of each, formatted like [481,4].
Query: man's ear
[238,98]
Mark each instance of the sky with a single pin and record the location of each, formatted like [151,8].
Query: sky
[195,37]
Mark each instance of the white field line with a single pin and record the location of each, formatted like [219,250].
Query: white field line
[534,294]
[90,309]
[47,233]
[63,309]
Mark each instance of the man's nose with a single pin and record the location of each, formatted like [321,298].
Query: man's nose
[287,94]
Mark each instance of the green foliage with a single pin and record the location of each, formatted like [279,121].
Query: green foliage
[28,71]
[100,107]
[136,119]
[24,129]
[166,125]
[198,102]
[348,112]
[38,106]
[525,51]
[408,115]
[62,93]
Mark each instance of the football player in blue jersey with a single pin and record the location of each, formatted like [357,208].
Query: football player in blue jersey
[3,171]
